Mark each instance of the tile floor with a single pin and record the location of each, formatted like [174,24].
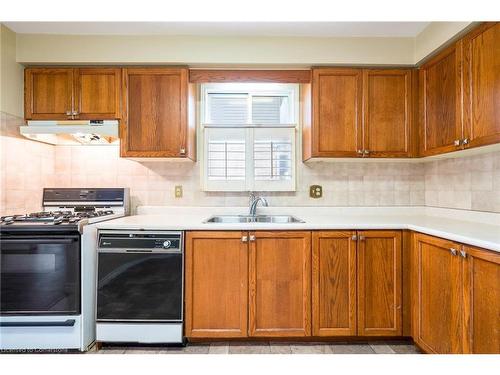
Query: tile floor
[268,348]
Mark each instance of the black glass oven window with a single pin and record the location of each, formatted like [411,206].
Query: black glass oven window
[40,276]
[135,286]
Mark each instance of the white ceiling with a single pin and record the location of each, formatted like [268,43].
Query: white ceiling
[298,29]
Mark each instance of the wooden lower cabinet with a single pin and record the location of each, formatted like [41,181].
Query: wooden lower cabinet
[379,283]
[280,284]
[437,323]
[481,275]
[216,284]
[334,283]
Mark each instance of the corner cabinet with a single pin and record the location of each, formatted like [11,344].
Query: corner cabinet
[460,94]
[456,297]
[157,120]
[481,75]
[360,113]
[440,102]
[72,93]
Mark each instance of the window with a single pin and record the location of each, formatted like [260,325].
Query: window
[249,136]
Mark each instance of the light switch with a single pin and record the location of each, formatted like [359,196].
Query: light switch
[315,191]
[178,191]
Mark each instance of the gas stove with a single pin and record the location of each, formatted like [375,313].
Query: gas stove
[56,217]
[48,263]
[71,209]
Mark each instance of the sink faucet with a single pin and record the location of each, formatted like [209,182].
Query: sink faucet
[254,201]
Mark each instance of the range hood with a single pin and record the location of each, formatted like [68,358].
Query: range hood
[71,132]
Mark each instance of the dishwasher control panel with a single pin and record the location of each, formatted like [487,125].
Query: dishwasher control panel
[122,240]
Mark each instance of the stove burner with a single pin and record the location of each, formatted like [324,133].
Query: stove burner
[54,217]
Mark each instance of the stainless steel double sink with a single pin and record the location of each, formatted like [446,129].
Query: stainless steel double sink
[230,219]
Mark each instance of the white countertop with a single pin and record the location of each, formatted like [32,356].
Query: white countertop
[468,227]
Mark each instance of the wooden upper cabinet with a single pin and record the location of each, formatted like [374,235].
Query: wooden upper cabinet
[379,283]
[155,113]
[440,102]
[72,93]
[437,295]
[481,274]
[387,112]
[482,85]
[216,284]
[48,93]
[359,113]
[280,284]
[334,283]
[336,112]
[97,93]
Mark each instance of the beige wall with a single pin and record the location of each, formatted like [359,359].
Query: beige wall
[232,51]
[435,35]
[207,51]
[11,75]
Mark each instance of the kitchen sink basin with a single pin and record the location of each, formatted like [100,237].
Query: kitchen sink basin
[229,219]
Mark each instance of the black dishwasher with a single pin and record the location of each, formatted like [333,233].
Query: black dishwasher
[140,278]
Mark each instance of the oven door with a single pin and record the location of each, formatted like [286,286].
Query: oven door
[40,275]
[139,286]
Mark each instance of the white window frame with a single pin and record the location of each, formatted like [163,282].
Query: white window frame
[249,184]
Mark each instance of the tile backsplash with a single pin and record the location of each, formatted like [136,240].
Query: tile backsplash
[27,166]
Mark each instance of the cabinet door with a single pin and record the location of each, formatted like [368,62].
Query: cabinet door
[334,283]
[441,103]
[437,307]
[48,93]
[387,112]
[482,301]
[280,284]
[336,123]
[155,112]
[97,93]
[216,284]
[482,85]
[379,283]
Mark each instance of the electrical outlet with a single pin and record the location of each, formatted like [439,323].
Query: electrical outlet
[178,191]
[315,191]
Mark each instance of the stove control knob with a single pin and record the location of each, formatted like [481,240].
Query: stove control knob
[167,244]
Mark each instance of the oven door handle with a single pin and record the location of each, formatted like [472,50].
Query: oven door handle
[38,241]
[64,323]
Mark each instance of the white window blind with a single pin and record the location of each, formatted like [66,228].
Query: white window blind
[269,110]
[227,109]
[249,137]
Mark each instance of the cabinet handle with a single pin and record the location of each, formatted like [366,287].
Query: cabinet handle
[68,113]
[244,238]
[361,238]
[354,237]
[366,152]
[463,254]
[360,152]
[453,251]
[465,141]
[75,113]
[456,142]
[252,238]
[182,151]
